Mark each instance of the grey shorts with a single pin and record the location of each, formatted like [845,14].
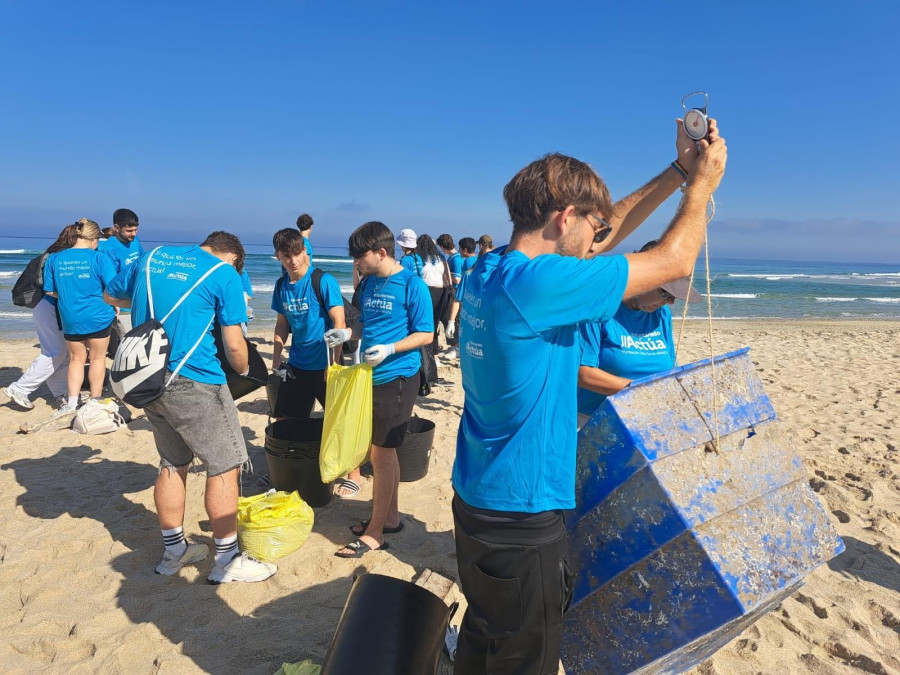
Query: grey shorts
[195,419]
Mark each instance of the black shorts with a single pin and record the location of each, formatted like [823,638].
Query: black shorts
[297,393]
[392,406]
[72,337]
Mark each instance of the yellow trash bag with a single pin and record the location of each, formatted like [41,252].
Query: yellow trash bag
[305,667]
[273,524]
[347,429]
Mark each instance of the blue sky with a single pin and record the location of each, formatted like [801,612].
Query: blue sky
[203,116]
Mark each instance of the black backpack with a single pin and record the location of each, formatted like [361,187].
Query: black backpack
[29,288]
[351,313]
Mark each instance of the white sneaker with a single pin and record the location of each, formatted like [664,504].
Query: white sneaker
[171,563]
[450,354]
[243,567]
[61,419]
[18,398]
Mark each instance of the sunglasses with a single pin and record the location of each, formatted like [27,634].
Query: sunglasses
[601,234]
[665,296]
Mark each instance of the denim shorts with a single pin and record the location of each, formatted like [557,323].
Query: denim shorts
[193,419]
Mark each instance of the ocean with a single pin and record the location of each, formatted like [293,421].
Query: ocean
[740,289]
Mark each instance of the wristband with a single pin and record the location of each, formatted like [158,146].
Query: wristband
[680,169]
[246,372]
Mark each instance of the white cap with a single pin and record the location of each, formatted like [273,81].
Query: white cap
[681,289]
[407,239]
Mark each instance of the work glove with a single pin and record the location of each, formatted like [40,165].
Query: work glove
[337,336]
[282,373]
[377,353]
[451,330]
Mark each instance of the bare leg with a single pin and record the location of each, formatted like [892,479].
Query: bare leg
[221,503]
[384,494]
[97,369]
[169,496]
[77,359]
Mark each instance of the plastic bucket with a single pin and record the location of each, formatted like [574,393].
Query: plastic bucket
[292,455]
[398,626]
[415,453]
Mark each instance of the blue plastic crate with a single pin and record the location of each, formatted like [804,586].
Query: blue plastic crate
[678,548]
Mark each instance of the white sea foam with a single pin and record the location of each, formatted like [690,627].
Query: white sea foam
[882,299]
[737,296]
[15,315]
[774,276]
[263,288]
[9,274]
[12,251]
[836,299]
[347,289]
[338,261]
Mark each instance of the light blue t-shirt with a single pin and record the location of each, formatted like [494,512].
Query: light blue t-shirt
[245,283]
[455,262]
[414,263]
[468,263]
[392,308]
[632,344]
[122,255]
[173,270]
[519,353]
[308,248]
[79,276]
[307,318]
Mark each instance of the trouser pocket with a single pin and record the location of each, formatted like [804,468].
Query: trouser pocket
[495,604]
[567,580]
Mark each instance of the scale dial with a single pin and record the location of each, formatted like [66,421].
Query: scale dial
[696,125]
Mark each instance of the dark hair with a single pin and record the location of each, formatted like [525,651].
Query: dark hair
[445,241]
[288,242]
[225,242]
[66,239]
[304,222]
[371,236]
[485,240]
[125,218]
[467,244]
[650,244]
[106,232]
[553,183]
[426,248]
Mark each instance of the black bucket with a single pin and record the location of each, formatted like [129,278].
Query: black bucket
[398,627]
[292,454]
[415,453]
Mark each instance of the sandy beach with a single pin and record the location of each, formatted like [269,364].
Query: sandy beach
[79,535]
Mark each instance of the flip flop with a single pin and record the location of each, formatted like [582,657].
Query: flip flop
[346,484]
[359,548]
[365,524]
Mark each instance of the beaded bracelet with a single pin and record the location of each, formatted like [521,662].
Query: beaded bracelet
[680,169]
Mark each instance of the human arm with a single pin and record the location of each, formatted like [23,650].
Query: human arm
[601,381]
[282,329]
[116,302]
[632,210]
[235,349]
[679,245]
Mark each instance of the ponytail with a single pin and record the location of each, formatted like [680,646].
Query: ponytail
[66,239]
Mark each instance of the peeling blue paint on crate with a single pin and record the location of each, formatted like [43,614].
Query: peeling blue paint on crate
[677,548]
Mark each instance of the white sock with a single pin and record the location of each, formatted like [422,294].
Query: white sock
[174,540]
[226,549]
[72,402]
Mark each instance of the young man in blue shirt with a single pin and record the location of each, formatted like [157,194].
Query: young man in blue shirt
[514,473]
[123,248]
[467,251]
[305,225]
[454,262]
[306,319]
[396,314]
[196,417]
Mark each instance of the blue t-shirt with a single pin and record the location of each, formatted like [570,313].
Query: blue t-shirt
[308,248]
[245,283]
[173,270]
[455,263]
[79,276]
[632,344]
[414,263]
[392,308]
[307,318]
[468,263]
[122,255]
[519,353]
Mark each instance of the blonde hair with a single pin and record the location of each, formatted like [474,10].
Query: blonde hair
[87,229]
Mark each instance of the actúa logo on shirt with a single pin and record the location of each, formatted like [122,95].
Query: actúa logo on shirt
[474,349]
[379,302]
[295,306]
[644,343]
[177,276]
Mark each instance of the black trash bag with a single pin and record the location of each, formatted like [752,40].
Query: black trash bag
[238,385]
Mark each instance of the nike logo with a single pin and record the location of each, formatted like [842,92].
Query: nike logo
[137,359]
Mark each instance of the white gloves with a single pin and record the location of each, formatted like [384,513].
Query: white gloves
[337,336]
[451,330]
[377,353]
[281,372]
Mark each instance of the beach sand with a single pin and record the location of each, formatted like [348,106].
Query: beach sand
[79,536]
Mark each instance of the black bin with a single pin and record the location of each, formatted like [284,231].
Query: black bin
[415,453]
[398,626]
[292,454]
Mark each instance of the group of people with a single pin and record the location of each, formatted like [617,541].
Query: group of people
[545,327]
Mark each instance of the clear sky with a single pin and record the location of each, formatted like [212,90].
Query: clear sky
[241,116]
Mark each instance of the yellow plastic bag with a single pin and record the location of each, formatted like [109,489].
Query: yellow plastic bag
[305,667]
[273,524]
[347,430]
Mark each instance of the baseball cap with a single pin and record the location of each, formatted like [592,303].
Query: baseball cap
[681,289]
